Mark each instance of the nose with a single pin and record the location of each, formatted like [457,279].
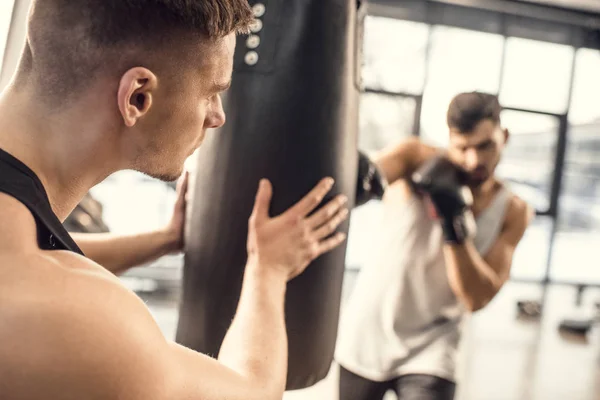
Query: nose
[215,117]
[471,159]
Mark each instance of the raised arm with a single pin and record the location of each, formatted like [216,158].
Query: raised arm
[399,161]
[476,279]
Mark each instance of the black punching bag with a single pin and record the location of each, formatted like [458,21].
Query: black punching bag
[292,117]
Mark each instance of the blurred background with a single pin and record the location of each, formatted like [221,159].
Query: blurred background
[543,59]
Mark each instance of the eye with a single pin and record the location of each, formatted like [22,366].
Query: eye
[486,146]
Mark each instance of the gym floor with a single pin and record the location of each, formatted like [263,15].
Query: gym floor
[504,357]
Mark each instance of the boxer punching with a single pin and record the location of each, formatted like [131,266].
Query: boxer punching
[104,86]
[444,249]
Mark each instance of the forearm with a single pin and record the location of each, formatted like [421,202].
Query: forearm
[118,253]
[473,281]
[256,343]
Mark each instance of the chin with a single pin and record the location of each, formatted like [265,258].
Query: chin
[170,175]
[475,184]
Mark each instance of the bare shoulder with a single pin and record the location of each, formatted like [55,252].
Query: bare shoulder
[72,333]
[17,231]
[519,215]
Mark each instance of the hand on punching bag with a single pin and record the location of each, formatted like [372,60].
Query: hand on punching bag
[286,244]
[371,183]
[443,183]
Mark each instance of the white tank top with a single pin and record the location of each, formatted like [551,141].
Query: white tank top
[402,317]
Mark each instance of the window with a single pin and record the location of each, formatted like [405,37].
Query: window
[531,255]
[586,88]
[529,157]
[537,75]
[384,120]
[134,203]
[460,60]
[394,55]
[578,228]
[6,11]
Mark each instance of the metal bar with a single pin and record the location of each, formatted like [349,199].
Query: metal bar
[554,282]
[550,13]
[545,213]
[532,111]
[417,117]
[388,93]
[561,146]
[503,59]
[419,108]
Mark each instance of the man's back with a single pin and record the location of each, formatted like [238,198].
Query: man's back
[69,328]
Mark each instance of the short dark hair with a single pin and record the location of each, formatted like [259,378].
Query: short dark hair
[69,41]
[468,109]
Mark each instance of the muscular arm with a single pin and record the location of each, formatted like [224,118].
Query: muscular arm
[117,253]
[255,346]
[401,160]
[256,343]
[475,279]
[115,350]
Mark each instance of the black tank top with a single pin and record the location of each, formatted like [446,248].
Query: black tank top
[19,181]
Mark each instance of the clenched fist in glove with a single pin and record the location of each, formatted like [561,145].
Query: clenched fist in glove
[443,183]
[371,183]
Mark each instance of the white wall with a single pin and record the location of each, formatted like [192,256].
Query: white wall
[16,39]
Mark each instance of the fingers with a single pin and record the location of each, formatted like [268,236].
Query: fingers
[327,212]
[331,225]
[312,199]
[331,243]
[262,200]
[182,186]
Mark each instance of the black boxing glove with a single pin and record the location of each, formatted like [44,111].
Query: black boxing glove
[443,183]
[371,183]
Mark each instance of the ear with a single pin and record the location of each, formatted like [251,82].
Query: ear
[506,134]
[135,94]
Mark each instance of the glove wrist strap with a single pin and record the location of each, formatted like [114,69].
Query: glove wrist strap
[460,228]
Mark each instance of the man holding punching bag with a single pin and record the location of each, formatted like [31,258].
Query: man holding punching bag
[106,97]
[444,249]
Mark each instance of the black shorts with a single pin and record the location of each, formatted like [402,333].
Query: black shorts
[406,387]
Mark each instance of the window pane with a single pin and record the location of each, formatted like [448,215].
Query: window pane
[134,203]
[394,55]
[460,60]
[575,253]
[528,160]
[6,9]
[531,255]
[586,88]
[384,120]
[537,75]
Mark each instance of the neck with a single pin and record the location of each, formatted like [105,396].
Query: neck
[65,148]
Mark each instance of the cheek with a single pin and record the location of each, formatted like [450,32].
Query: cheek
[190,118]
[456,156]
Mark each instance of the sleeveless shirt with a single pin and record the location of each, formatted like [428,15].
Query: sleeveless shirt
[20,182]
[402,316]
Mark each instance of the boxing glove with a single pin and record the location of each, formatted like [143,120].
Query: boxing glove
[371,183]
[443,184]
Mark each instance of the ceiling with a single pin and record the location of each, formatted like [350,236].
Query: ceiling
[584,5]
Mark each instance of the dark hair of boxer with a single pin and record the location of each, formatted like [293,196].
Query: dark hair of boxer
[71,42]
[477,138]
[466,110]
